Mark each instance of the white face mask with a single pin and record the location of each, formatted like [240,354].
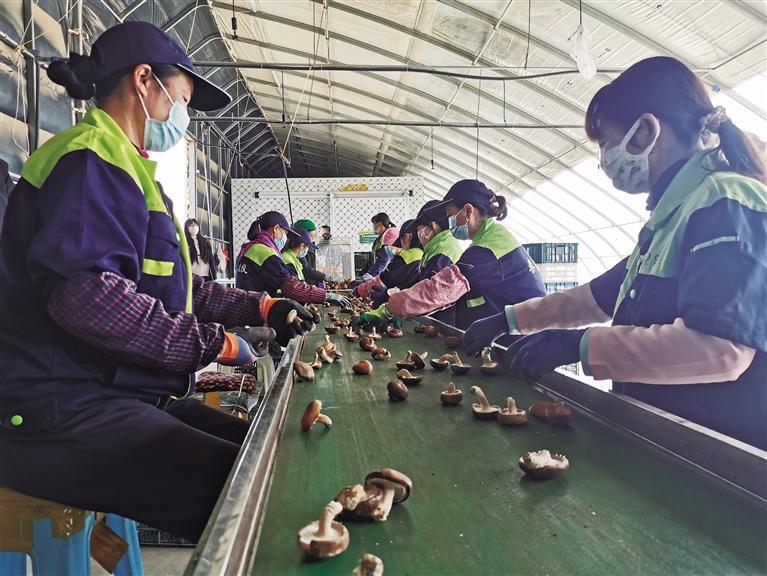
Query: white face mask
[629,172]
[194,230]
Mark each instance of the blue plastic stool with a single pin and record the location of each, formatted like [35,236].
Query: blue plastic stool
[56,538]
[130,563]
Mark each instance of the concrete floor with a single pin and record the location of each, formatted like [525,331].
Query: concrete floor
[157,561]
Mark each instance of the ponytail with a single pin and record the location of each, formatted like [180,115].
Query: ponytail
[254,230]
[495,206]
[76,74]
[500,210]
[741,151]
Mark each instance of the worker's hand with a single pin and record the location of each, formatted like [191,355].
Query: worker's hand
[244,345]
[338,300]
[279,318]
[380,318]
[482,332]
[539,353]
[379,295]
[367,277]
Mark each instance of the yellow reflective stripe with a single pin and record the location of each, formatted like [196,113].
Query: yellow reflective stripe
[183,247]
[157,267]
[474,302]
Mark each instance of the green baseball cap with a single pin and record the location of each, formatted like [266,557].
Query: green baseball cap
[306,224]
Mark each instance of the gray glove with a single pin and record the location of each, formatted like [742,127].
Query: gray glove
[338,300]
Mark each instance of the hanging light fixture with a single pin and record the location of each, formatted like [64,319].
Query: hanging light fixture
[580,48]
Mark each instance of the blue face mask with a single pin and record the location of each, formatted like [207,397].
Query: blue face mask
[281,241]
[459,231]
[390,251]
[303,253]
[162,136]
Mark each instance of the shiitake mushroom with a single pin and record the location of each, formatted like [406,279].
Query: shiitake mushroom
[363,368]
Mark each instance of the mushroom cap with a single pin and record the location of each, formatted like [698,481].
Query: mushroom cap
[304,370]
[482,413]
[439,364]
[555,413]
[397,390]
[515,417]
[419,360]
[380,354]
[460,369]
[326,546]
[363,367]
[369,565]
[453,341]
[310,414]
[419,328]
[405,365]
[542,464]
[451,396]
[393,479]
[331,329]
[431,331]
[408,378]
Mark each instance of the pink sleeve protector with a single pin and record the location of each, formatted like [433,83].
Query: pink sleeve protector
[663,354]
[571,309]
[435,293]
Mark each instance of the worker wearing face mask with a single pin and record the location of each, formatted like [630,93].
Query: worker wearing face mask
[203,258]
[102,323]
[295,252]
[493,272]
[440,247]
[309,260]
[402,272]
[379,258]
[688,305]
[262,267]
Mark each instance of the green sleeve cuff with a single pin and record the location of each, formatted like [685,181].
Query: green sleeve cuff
[584,352]
[511,320]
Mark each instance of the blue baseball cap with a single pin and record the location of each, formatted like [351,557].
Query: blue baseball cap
[304,238]
[274,218]
[466,192]
[429,213]
[132,43]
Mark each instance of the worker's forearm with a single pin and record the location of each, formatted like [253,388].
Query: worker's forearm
[571,309]
[228,306]
[105,311]
[662,354]
[441,290]
[303,292]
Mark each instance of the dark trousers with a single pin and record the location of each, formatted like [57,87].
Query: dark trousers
[164,468]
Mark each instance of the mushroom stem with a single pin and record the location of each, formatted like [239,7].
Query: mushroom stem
[324,420]
[511,404]
[487,359]
[451,388]
[477,391]
[382,509]
[330,511]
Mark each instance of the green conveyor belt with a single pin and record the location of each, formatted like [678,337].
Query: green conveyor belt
[625,507]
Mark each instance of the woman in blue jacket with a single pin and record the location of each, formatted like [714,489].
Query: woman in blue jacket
[688,331]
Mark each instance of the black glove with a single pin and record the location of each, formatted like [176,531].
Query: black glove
[257,336]
[539,353]
[379,295]
[287,328]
